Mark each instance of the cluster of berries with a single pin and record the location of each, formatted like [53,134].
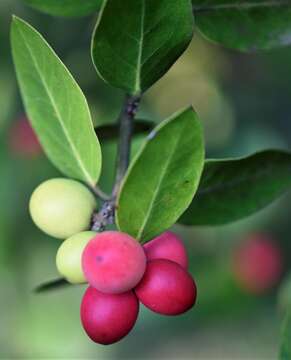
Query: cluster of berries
[120,272]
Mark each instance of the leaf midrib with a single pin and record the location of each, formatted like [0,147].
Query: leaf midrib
[140,49]
[71,143]
[232,184]
[242,6]
[157,190]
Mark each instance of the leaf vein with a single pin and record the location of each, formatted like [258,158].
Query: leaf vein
[156,192]
[58,115]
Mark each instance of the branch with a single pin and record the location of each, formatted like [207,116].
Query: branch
[111,131]
[105,216]
[125,120]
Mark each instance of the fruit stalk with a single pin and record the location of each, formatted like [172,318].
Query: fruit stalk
[99,193]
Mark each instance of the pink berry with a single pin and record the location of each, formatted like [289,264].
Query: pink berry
[113,262]
[166,288]
[258,264]
[107,318]
[167,246]
[23,140]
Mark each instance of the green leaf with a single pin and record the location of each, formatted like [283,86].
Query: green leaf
[235,188]
[285,350]
[243,24]
[162,178]
[51,285]
[66,7]
[111,131]
[136,41]
[55,105]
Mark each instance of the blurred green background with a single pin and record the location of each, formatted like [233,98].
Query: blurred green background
[244,103]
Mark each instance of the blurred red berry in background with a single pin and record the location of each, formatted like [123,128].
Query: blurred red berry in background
[258,264]
[23,140]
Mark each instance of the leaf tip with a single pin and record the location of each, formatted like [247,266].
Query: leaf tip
[15,19]
[15,22]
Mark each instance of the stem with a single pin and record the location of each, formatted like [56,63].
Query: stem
[125,120]
[101,194]
[105,215]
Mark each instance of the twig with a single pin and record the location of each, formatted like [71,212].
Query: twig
[125,120]
[105,216]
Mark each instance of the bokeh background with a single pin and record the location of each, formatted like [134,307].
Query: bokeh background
[244,103]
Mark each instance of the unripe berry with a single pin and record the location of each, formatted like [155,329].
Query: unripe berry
[166,288]
[69,256]
[113,262]
[167,246]
[257,264]
[107,318]
[62,207]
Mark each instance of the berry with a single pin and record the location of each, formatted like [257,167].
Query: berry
[113,262]
[23,140]
[257,264]
[107,318]
[166,288]
[69,255]
[62,207]
[167,246]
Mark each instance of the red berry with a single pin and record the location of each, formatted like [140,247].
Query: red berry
[167,246]
[257,264]
[107,318]
[23,140]
[113,262]
[166,288]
